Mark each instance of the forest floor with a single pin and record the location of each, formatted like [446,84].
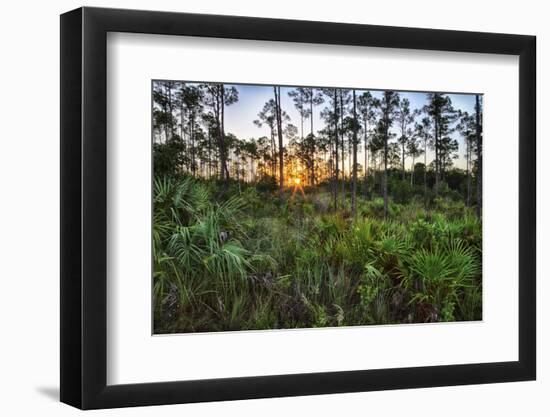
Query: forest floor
[244,258]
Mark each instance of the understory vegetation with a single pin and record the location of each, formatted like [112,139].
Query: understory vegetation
[279,207]
[234,256]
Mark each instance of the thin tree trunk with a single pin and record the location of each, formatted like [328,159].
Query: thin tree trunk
[312,161]
[336,172]
[468,182]
[277,91]
[354,167]
[329,163]
[193,167]
[403,160]
[186,140]
[385,177]
[425,170]
[381,174]
[312,139]
[171,110]
[343,150]
[479,159]
[209,154]
[375,167]
[436,142]
[223,133]
[273,155]
[366,167]
[238,174]
[182,121]
[311,111]
[217,115]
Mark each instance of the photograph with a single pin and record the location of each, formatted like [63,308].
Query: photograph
[271,206]
[291,207]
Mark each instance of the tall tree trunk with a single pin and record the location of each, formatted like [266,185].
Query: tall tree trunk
[311,111]
[186,139]
[182,121]
[403,160]
[350,157]
[376,166]
[192,130]
[479,159]
[336,172]
[425,170]
[238,174]
[223,134]
[436,143]
[366,166]
[277,91]
[313,150]
[171,110]
[385,177]
[468,174]
[354,167]
[219,134]
[381,174]
[343,150]
[218,113]
[328,159]
[273,155]
[209,154]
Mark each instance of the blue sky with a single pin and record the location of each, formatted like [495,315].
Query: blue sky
[240,116]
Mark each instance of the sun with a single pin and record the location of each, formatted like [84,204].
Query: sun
[297,187]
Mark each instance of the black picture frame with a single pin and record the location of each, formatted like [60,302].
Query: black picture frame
[84,207]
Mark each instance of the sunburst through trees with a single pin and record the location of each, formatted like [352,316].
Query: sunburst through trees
[290,207]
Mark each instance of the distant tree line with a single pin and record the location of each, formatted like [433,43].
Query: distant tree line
[190,137]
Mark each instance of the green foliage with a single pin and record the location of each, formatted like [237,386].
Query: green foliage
[251,260]
[267,184]
[168,156]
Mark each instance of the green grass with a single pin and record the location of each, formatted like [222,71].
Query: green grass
[225,260]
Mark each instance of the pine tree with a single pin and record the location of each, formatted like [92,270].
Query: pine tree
[388,105]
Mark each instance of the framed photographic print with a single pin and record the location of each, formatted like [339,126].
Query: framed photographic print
[255,208]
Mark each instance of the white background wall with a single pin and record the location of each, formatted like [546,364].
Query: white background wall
[29,207]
